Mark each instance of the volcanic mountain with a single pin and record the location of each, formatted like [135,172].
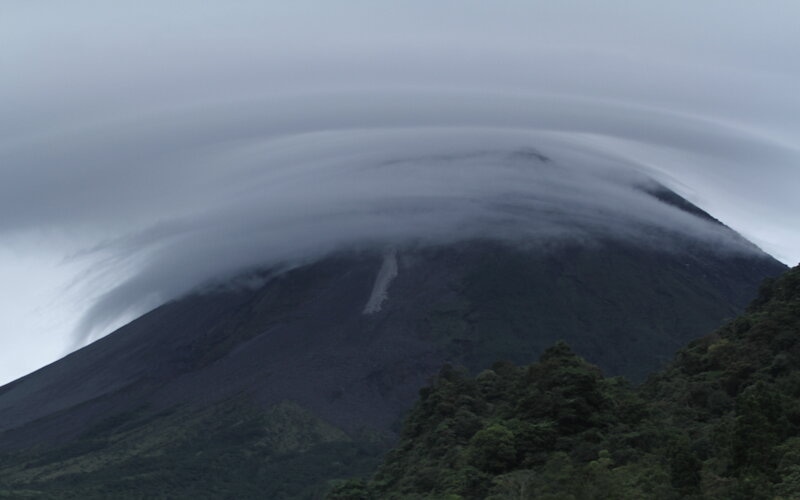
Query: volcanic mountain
[286,377]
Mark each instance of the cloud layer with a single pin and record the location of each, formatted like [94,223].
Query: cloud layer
[153,148]
[218,198]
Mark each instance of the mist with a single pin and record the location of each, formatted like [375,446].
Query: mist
[150,149]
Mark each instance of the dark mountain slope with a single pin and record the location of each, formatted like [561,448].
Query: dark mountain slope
[721,422]
[324,338]
[303,337]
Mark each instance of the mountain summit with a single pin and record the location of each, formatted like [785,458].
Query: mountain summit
[336,351]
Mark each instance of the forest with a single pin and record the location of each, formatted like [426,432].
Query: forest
[722,421]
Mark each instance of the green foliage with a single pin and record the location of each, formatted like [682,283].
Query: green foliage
[721,422]
[232,450]
[684,467]
[492,449]
[351,489]
[501,432]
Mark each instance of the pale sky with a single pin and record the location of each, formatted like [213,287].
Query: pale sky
[135,136]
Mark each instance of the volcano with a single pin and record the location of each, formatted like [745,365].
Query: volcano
[272,374]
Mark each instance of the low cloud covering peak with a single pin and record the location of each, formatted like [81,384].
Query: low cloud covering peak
[146,149]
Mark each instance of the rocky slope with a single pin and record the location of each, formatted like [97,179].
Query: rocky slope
[348,341]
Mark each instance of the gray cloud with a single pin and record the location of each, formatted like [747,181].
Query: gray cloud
[160,147]
[301,195]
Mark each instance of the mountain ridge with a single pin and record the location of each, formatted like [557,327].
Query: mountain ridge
[301,336]
[241,321]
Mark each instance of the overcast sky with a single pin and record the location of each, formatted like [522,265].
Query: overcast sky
[146,147]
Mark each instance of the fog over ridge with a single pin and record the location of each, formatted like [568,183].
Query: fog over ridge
[210,193]
[149,148]
[300,196]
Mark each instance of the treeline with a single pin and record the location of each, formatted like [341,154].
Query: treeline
[721,422]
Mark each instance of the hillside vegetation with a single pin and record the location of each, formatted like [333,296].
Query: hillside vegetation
[721,422]
[231,450]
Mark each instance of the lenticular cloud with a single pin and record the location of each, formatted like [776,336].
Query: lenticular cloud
[157,148]
[240,188]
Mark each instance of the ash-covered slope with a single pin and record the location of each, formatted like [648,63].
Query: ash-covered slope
[269,390]
[352,338]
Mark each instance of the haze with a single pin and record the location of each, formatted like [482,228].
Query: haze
[146,149]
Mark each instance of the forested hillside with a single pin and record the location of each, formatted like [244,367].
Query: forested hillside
[721,422]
